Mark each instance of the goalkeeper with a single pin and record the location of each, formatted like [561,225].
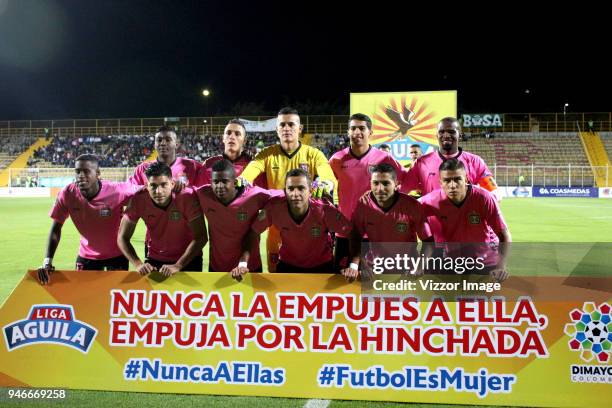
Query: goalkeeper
[277,160]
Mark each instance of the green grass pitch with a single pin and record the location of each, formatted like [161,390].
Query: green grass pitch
[25,226]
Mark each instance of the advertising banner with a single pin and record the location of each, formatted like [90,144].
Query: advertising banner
[311,336]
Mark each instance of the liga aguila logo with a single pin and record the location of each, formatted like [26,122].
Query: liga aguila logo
[591,332]
[50,324]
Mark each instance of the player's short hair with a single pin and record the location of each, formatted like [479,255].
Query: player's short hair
[363,117]
[166,129]
[224,165]
[384,146]
[451,119]
[158,169]
[298,173]
[385,168]
[451,165]
[415,145]
[288,110]
[238,122]
[92,158]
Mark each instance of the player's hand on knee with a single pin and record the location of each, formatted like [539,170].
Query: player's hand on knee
[351,273]
[146,268]
[45,271]
[238,272]
[169,270]
[499,274]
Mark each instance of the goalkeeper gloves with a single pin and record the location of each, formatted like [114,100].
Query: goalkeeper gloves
[322,189]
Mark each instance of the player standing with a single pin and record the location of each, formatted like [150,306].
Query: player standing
[352,167]
[424,177]
[275,161]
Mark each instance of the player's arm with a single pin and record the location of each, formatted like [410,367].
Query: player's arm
[409,181]
[324,171]
[352,271]
[55,234]
[500,273]
[247,243]
[495,220]
[486,179]
[254,168]
[198,231]
[138,177]
[421,226]
[126,231]
[337,222]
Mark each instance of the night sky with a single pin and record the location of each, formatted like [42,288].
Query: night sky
[80,59]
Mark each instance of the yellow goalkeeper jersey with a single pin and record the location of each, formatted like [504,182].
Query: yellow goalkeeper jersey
[275,162]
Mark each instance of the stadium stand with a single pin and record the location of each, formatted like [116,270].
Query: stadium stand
[515,149]
[12,146]
[606,138]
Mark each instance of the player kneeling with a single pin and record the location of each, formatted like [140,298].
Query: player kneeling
[466,220]
[230,211]
[304,224]
[176,232]
[391,220]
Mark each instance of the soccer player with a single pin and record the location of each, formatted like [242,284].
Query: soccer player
[460,212]
[230,211]
[424,177]
[352,167]
[275,161]
[385,148]
[184,171]
[95,207]
[415,152]
[387,216]
[304,224]
[176,231]
[234,138]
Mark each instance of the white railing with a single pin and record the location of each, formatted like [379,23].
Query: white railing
[59,177]
[557,176]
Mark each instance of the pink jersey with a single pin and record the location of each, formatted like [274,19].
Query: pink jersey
[402,222]
[168,231]
[477,220]
[307,244]
[183,169]
[205,172]
[229,224]
[354,174]
[424,175]
[98,219]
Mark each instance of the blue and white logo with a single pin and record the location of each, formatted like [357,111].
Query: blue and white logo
[50,324]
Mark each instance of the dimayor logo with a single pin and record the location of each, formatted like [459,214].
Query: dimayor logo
[402,119]
[591,332]
[50,324]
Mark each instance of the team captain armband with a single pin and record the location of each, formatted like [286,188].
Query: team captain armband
[488,183]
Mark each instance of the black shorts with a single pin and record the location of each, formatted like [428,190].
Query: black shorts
[194,266]
[283,267]
[119,263]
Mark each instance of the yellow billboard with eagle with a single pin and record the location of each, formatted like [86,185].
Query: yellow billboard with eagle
[401,119]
